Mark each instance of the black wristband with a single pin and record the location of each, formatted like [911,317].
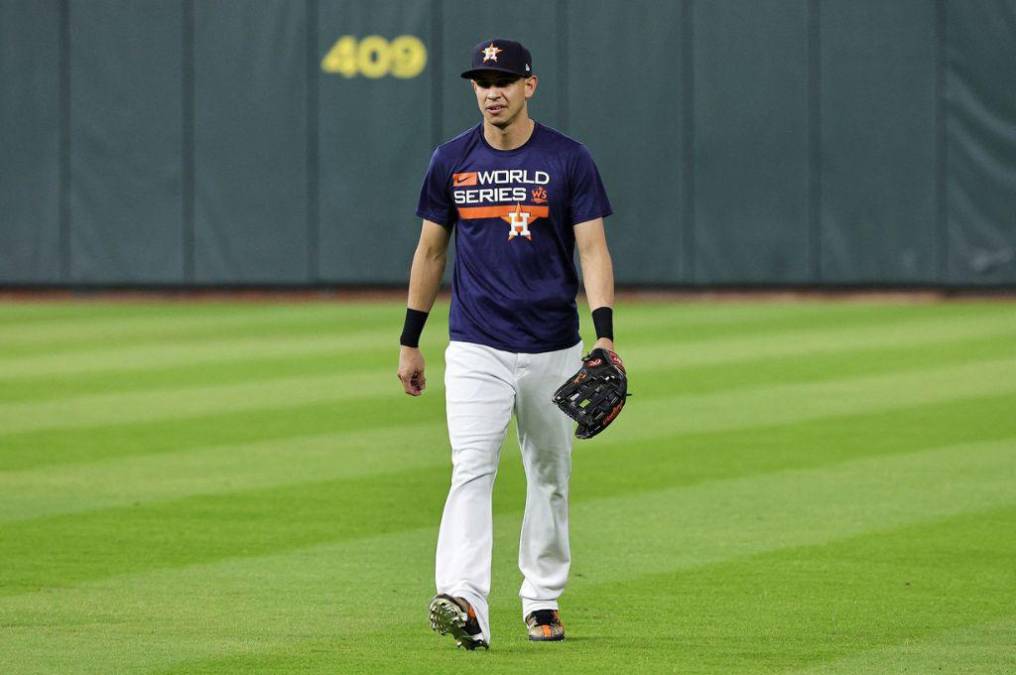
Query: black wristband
[413,327]
[603,321]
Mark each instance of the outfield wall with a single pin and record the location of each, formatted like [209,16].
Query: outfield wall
[743,142]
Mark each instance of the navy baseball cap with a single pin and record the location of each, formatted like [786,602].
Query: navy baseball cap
[501,56]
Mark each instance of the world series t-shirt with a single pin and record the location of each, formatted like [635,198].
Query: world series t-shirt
[513,212]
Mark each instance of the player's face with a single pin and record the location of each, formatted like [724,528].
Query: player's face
[502,97]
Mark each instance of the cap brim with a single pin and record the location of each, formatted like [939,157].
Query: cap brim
[470,74]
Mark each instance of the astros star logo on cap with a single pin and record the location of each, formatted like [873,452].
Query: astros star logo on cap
[491,52]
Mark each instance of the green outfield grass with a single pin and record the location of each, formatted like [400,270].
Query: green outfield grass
[811,487]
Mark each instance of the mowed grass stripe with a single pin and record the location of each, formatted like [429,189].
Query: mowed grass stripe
[705,378]
[695,525]
[784,403]
[267,574]
[707,374]
[15,314]
[773,611]
[706,345]
[667,461]
[742,616]
[84,330]
[914,334]
[50,447]
[30,316]
[62,445]
[90,339]
[226,468]
[41,319]
[59,326]
[772,404]
[690,459]
[63,550]
[780,608]
[779,403]
[984,648]
[752,315]
[693,376]
[272,601]
[793,606]
[116,358]
[103,409]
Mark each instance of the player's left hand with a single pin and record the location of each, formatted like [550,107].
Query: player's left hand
[595,395]
[605,343]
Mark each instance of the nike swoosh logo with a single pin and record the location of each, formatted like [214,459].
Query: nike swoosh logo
[463,179]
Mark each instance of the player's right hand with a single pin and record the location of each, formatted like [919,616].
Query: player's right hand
[410,372]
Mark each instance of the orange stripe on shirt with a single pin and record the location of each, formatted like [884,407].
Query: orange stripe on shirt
[473,212]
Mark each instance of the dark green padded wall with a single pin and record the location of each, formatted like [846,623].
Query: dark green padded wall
[878,142]
[250,142]
[742,142]
[627,105]
[125,141]
[31,247]
[751,142]
[981,141]
[376,136]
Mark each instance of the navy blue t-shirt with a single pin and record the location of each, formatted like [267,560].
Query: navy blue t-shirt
[513,213]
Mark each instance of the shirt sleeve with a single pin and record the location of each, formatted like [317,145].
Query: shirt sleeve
[435,201]
[588,196]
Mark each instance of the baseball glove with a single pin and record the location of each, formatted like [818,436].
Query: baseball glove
[595,395]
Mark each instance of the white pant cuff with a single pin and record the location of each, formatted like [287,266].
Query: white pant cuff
[530,606]
[479,605]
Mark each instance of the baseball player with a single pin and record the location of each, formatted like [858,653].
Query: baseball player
[519,198]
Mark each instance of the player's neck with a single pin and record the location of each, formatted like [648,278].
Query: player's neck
[515,135]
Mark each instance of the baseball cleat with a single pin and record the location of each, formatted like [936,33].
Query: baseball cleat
[456,617]
[545,626]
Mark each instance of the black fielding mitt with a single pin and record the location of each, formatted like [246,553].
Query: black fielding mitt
[595,395]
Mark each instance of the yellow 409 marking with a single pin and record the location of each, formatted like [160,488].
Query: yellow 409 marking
[375,57]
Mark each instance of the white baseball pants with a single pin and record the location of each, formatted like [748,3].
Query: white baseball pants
[483,386]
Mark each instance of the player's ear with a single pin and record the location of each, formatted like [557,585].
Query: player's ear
[531,83]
